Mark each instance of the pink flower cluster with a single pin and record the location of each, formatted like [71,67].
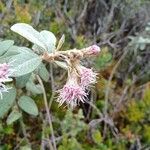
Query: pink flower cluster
[79,80]
[5,72]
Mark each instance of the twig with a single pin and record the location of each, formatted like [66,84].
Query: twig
[122,99]
[43,135]
[24,131]
[110,79]
[72,53]
[47,111]
[108,87]
[52,85]
[18,145]
[98,111]
[109,18]
[7,10]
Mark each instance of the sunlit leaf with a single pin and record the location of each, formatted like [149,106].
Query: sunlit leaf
[29,33]
[49,39]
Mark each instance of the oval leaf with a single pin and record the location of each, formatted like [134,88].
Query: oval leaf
[43,72]
[37,49]
[97,137]
[14,50]
[61,42]
[62,64]
[13,116]
[22,80]
[49,40]
[33,88]
[5,45]
[7,101]
[28,105]
[29,33]
[24,63]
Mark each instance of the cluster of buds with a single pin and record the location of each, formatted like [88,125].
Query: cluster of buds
[5,73]
[79,79]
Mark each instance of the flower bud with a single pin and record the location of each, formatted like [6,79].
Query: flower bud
[92,50]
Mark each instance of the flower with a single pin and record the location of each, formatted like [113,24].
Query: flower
[5,72]
[72,93]
[87,76]
[93,50]
[75,89]
[79,80]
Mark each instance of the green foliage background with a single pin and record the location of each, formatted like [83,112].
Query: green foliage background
[122,30]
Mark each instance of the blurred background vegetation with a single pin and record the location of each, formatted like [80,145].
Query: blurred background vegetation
[117,116]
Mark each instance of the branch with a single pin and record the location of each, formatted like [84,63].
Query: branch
[71,54]
[47,111]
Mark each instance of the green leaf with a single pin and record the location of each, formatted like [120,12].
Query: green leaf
[13,116]
[49,40]
[37,49]
[5,45]
[103,59]
[97,137]
[27,147]
[142,40]
[33,88]
[142,46]
[43,72]
[7,101]
[28,105]
[61,42]
[14,50]
[22,80]
[24,63]
[24,50]
[62,64]
[43,40]
[29,33]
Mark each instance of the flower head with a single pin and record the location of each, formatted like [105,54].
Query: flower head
[87,76]
[93,50]
[5,72]
[72,93]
